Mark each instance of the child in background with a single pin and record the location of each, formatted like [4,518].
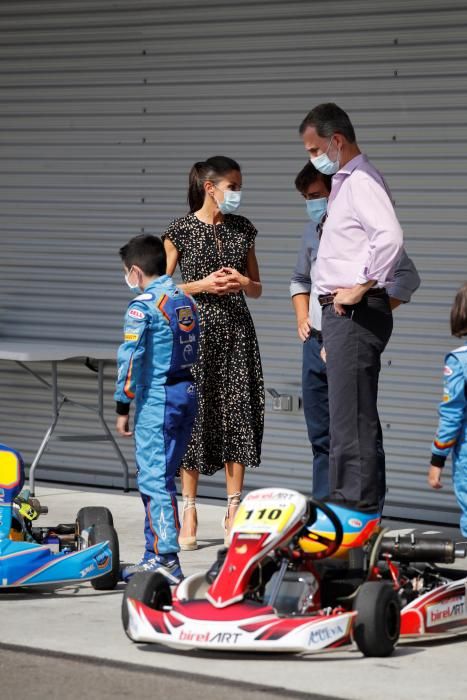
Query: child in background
[452,427]
[154,363]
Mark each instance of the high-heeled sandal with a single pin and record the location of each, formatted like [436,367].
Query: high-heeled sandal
[190,543]
[232,500]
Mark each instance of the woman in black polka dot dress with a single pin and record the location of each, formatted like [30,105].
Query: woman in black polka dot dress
[215,251]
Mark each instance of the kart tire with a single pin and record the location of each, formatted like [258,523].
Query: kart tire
[151,589]
[101,533]
[93,515]
[377,625]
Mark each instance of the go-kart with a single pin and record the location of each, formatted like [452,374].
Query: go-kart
[266,593]
[432,597]
[86,550]
[303,576]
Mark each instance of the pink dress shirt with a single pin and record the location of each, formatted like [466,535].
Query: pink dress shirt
[362,238]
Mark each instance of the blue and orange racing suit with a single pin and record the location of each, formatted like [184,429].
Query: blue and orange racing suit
[452,426]
[160,346]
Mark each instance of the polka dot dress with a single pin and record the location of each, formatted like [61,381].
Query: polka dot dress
[228,374]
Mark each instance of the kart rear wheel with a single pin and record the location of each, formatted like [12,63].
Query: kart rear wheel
[151,589]
[93,515]
[377,625]
[101,533]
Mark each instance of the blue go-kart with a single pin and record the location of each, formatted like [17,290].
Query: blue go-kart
[86,550]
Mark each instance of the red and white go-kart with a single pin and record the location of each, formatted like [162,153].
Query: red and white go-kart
[303,576]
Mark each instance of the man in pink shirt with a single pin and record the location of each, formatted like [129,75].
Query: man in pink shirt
[360,247]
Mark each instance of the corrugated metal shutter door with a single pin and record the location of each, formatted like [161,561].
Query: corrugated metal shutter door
[104,107]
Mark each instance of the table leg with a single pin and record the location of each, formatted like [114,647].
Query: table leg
[100,409]
[58,399]
[55,414]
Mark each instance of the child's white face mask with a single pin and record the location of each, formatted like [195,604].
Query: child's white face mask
[133,287]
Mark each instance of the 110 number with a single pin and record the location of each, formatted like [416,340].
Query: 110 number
[264,514]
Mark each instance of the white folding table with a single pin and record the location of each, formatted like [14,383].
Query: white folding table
[23,352]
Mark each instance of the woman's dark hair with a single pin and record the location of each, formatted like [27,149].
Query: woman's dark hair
[308,175]
[212,169]
[459,313]
[328,119]
[147,252]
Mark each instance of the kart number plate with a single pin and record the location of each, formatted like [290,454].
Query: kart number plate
[261,517]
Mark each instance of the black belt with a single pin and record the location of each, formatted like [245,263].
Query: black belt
[316,334]
[326,299]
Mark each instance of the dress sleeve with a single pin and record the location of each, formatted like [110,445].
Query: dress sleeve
[251,233]
[176,233]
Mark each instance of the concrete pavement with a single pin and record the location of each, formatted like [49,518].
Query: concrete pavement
[77,620]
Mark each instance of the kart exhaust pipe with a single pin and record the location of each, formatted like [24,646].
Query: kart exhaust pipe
[409,549]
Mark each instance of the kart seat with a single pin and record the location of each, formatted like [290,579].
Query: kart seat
[11,474]
[357,526]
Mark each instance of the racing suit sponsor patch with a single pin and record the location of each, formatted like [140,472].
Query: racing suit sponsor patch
[191,338]
[447,371]
[186,319]
[188,353]
[136,313]
[131,336]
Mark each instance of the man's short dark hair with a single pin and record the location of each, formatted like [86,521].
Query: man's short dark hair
[329,119]
[147,252]
[308,175]
[459,313]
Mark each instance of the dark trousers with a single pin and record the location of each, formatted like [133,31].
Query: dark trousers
[316,411]
[354,343]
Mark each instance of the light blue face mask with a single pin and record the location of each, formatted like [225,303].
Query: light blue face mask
[324,164]
[231,201]
[316,208]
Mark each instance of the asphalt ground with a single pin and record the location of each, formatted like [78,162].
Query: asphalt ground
[58,676]
[71,641]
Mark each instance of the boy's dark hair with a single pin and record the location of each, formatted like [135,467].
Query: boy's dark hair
[459,313]
[328,119]
[147,252]
[308,175]
[213,169]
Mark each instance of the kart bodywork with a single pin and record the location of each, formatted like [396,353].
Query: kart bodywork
[263,594]
[302,576]
[433,597]
[46,556]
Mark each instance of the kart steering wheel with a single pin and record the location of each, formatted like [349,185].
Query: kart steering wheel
[331,544]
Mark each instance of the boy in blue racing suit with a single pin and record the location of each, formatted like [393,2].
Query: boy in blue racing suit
[452,426]
[154,362]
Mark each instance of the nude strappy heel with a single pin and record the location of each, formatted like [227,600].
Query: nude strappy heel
[232,500]
[188,543]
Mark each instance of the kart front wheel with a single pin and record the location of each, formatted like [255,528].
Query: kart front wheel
[377,625]
[151,589]
[101,533]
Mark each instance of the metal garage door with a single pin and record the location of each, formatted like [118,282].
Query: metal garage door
[104,107]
